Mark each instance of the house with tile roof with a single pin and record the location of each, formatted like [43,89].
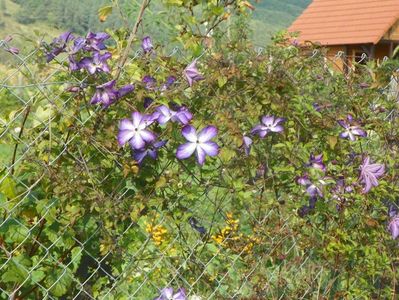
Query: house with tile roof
[356,28]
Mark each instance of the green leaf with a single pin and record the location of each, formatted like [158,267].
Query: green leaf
[104,12]
[59,282]
[7,187]
[332,141]
[76,254]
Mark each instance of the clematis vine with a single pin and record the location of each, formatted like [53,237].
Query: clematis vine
[192,74]
[146,44]
[135,131]
[369,174]
[95,41]
[268,124]
[199,143]
[246,144]
[182,115]
[147,102]
[312,189]
[339,192]
[150,150]
[352,129]
[106,94]
[393,226]
[149,82]
[169,82]
[97,63]
[316,162]
[59,45]
[168,294]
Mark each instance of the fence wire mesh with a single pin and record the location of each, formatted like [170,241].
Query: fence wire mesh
[70,261]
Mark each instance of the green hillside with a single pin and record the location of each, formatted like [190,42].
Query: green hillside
[274,15]
[53,16]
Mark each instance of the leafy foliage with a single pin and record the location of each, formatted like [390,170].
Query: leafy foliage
[79,215]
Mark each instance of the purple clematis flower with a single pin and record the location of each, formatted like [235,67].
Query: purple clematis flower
[169,82]
[199,143]
[12,50]
[167,294]
[316,162]
[351,129]
[147,102]
[246,144]
[59,45]
[146,44]
[192,74]
[107,94]
[369,174]
[97,63]
[339,192]
[150,150]
[134,131]
[95,41]
[150,82]
[311,188]
[393,226]
[182,116]
[268,124]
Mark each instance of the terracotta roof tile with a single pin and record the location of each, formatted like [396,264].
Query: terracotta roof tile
[341,22]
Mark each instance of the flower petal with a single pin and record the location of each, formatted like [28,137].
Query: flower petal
[139,155]
[137,142]
[167,292]
[124,136]
[207,133]
[147,135]
[180,295]
[277,128]
[210,148]
[126,124]
[186,150]
[189,133]
[136,117]
[201,155]
[268,120]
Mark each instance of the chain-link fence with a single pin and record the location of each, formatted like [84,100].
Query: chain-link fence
[53,249]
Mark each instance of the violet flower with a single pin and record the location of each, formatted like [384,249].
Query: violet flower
[311,188]
[78,44]
[192,74]
[351,129]
[106,94]
[339,192]
[246,144]
[199,143]
[182,116]
[59,45]
[95,41]
[169,82]
[316,162]
[268,124]
[167,294]
[97,63]
[150,150]
[393,226]
[146,44]
[369,174]
[13,50]
[134,131]
[149,82]
[147,102]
